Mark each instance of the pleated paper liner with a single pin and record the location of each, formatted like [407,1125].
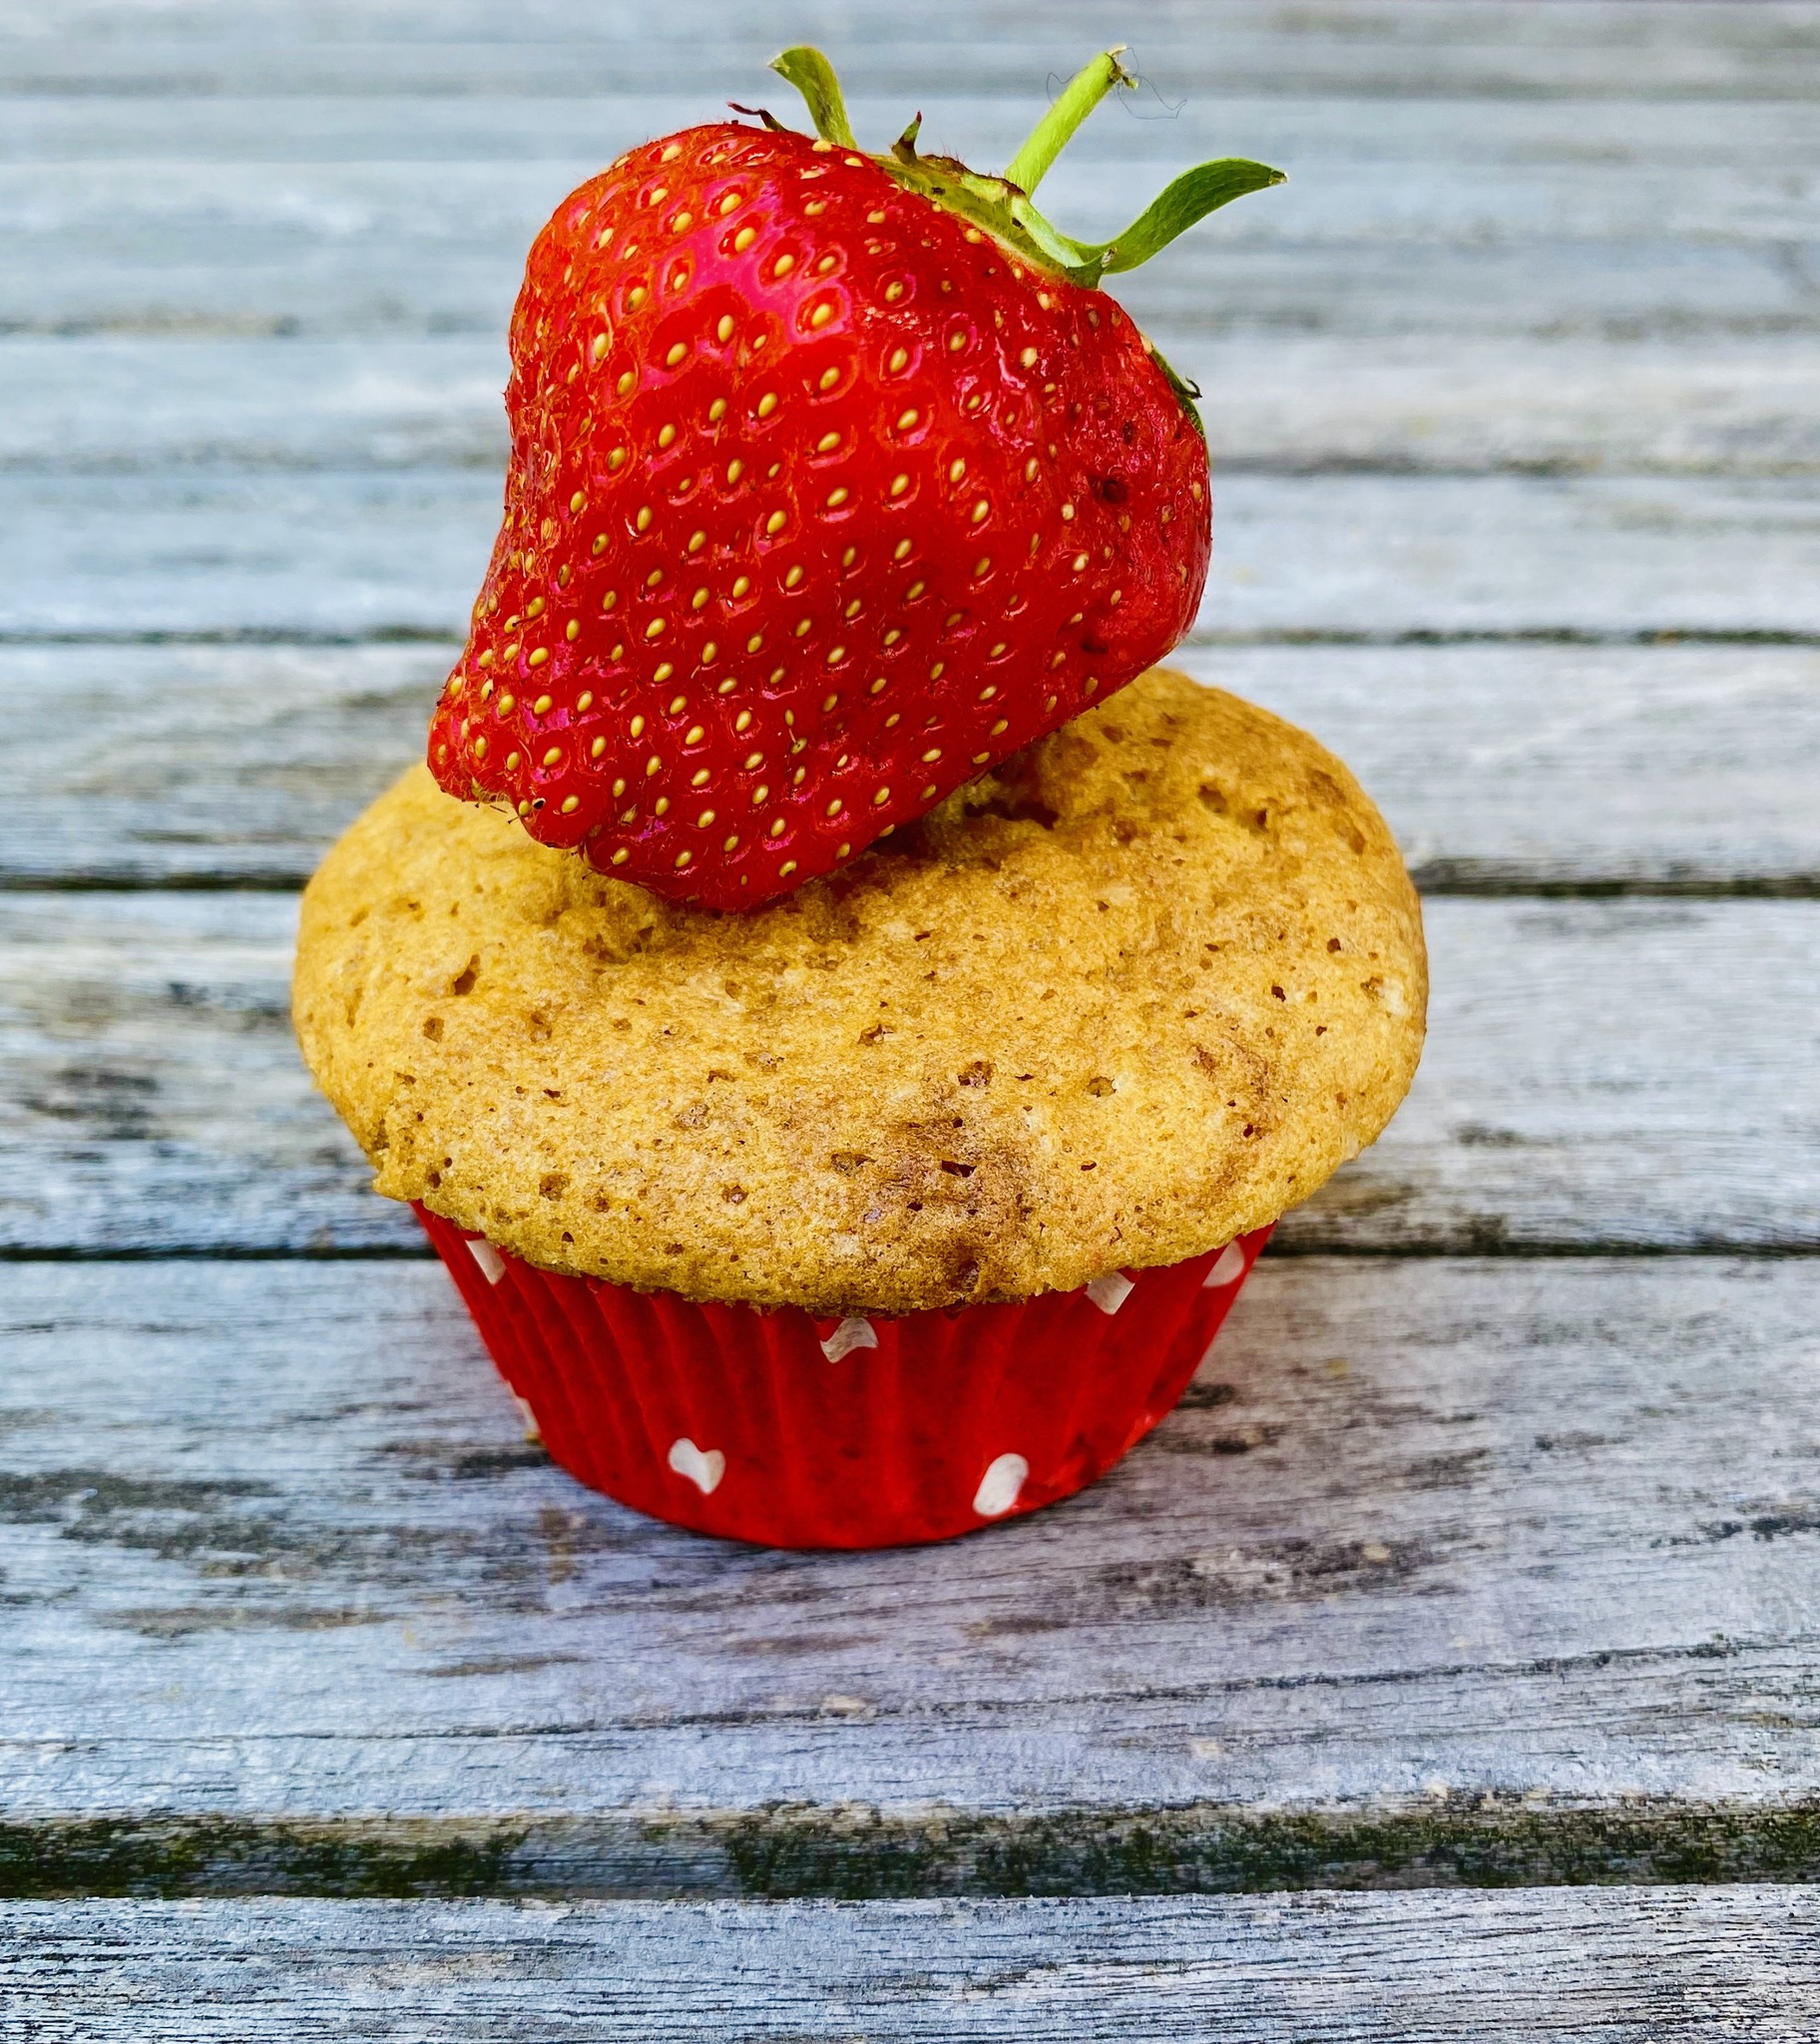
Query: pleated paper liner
[792,1431]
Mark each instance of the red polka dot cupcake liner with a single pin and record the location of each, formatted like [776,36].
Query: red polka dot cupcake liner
[789,1430]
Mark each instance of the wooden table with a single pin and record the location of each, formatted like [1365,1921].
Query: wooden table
[1449,1666]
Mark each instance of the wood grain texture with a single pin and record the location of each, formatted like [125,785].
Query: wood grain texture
[282,284]
[1599,1075]
[1301,404]
[1479,141]
[355,176]
[390,551]
[1448,1572]
[1444,1572]
[1509,768]
[205,765]
[1532,768]
[1637,1967]
[400,184]
[1425,240]
[1507,50]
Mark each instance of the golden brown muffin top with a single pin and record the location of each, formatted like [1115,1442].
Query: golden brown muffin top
[1136,993]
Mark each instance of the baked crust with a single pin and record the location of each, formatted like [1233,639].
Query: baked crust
[1131,995]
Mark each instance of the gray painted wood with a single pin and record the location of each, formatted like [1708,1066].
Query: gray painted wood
[1444,1572]
[1584,50]
[1489,143]
[204,764]
[1518,179]
[394,195]
[1629,1074]
[1428,239]
[1637,1967]
[380,552]
[1448,1572]
[1303,405]
[283,281]
[1532,767]
[1506,766]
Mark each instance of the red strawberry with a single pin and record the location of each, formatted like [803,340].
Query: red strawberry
[835,480]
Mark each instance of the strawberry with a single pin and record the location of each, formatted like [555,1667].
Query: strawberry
[835,479]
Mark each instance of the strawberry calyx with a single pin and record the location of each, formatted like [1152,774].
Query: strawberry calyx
[1003,204]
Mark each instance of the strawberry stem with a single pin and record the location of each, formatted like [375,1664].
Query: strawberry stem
[1052,134]
[813,76]
[1003,206]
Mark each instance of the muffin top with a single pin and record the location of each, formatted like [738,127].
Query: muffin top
[1131,995]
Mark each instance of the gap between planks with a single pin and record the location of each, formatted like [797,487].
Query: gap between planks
[1597,1075]
[1684,1840]
[156,1099]
[1508,767]
[1453,1573]
[1480,226]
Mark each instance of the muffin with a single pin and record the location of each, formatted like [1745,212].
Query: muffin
[912,1199]
[846,1017]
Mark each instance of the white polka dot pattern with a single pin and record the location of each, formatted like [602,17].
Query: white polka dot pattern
[999,1486]
[703,1467]
[1109,1293]
[492,1263]
[818,1444]
[849,1336]
[1229,1267]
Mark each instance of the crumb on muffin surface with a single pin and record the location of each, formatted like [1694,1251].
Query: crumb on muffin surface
[1135,993]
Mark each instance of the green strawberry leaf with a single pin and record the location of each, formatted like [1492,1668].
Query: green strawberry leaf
[1191,197]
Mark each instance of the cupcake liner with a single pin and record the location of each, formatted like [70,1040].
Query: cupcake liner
[792,1431]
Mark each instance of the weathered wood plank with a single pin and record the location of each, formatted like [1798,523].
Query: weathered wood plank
[1495,216]
[1624,291]
[324,249]
[389,551]
[1519,174]
[1482,141]
[1539,766]
[1636,1075]
[1568,407]
[1637,1967]
[202,764]
[109,406]
[115,405]
[1444,1572]
[1569,50]
[1499,766]
[333,554]
[137,1022]
[1478,141]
